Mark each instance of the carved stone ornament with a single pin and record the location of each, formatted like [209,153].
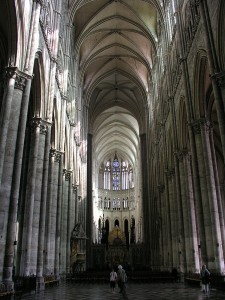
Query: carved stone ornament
[41,2]
[181,154]
[20,82]
[74,188]
[220,78]
[44,129]
[161,188]
[67,174]
[10,72]
[170,173]
[201,124]
[38,122]
[56,154]
[78,232]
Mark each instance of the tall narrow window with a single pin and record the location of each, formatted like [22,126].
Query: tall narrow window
[116,174]
[107,176]
[124,176]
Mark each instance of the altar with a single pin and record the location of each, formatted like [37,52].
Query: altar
[113,253]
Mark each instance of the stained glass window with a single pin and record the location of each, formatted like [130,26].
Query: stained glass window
[116,174]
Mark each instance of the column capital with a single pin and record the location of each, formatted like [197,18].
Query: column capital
[19,76]
[77,142]
[197,2]
[75,188]
[181,154]
[161,188]
[219,77]
[183,58]
[73,124]
[56,154]
[64,97]
[170,173]
[200,124]
[67,174]
[170,99]
[41,2]
[39,122]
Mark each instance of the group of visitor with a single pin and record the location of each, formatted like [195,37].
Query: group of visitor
[119,277]
[205,279]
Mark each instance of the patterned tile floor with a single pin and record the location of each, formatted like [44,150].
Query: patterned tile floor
[171,291]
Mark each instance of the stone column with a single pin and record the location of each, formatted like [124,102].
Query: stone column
[172,217]
[69,221]
[188,207]
[146,231]
[217,262]
[76,205]
[29,206]
[51,211]
[79,209]
[72,167]
[213,240]
[21,80]
[74,193]
[185,211]
[162,226]
[10,76]
[180,233]
[192,209]
[190,117]
[64,222]
[12,168]
[37,198]
[77,174]
[58,219]
[89,211]
[52,157]
[217,75]
[218,190]
[42,219]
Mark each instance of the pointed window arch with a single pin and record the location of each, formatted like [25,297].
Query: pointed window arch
[116,174]
[107,175]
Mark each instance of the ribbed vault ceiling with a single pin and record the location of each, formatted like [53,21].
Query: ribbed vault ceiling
[115,42]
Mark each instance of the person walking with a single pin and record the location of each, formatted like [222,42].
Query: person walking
[112,280]
[205,277]
[121,277]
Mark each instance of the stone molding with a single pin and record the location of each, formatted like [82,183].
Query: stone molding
[75,188]
[67,174]
[57,155]
[220,78]
[181,154]
[161,188]
[19,76]
[39,122]
[200,124]
[41,2]
[170,173]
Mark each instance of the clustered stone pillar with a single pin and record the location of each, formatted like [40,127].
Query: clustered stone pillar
[217,74]
[146,201]
[213,247]
[70,219]
[30,193]
[193,262]
[10,77]
[42,221]
[9,183]
[89,211]
[58,218]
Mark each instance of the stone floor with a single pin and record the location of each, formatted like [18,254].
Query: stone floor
[170,291]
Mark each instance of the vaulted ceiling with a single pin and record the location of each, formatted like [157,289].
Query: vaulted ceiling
[115,42]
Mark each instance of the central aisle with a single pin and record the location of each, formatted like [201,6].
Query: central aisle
[176,291]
